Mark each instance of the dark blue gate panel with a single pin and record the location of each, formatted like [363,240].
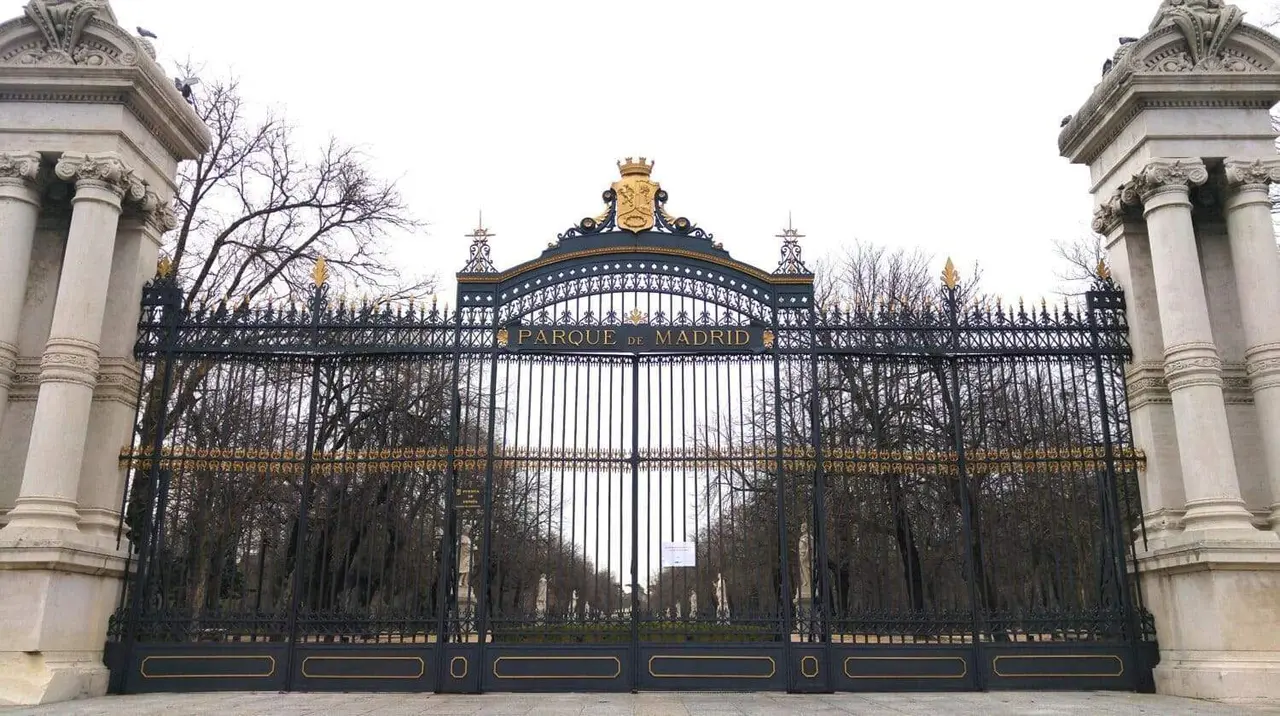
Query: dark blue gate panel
[206,667]
[689,667]
[364,668]
[885,668]
[1065,666]
[577,668]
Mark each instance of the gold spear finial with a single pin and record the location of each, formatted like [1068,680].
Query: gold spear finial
[320,274]
[164,267]
[950,277]
[1104,272]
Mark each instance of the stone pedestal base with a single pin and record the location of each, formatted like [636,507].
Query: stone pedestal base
[1215,603]
[56,597]
[45,678]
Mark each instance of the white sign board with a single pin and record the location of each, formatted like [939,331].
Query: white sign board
[679,554]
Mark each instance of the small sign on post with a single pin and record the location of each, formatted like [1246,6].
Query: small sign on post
[679,554]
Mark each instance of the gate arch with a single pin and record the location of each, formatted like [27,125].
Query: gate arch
[725,485]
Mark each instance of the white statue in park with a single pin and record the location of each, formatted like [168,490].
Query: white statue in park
[693,603]
[573,602]
[806,565]
[464,568]
[722,599]
[678,614]
[541,605]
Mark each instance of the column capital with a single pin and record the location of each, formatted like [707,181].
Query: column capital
[1246,173]
[20,166]
[105,170]
[1108,215]
[1175,176]
[155,213]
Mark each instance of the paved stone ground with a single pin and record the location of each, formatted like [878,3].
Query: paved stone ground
[672,704]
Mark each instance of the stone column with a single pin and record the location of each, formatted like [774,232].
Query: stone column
[1257,271]
[115,397]
[19,210]
[69,366]
[1192,365]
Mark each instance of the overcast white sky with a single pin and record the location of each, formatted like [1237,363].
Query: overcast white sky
[923,124]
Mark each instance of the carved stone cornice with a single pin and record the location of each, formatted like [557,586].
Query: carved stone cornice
[1147,385]
[1164,175]
[1251,173]
[117,381]
[105,171]
[25,386]
[69,360]
[1192,364]
[1262,365]
[22,167]
[8,363]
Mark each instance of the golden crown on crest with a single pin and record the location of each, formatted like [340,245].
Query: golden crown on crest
[631,168]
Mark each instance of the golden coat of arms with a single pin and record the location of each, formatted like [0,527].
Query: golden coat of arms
[636,196]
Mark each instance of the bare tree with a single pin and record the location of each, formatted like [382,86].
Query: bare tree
[257,209]
[1078,260]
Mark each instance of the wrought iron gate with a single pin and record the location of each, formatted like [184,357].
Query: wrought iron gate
[632,463]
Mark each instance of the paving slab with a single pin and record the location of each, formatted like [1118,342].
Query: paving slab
[648,704]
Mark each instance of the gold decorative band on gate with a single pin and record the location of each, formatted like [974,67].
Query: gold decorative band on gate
[773,666]
[466,666]
[617,664]
[422,667]
[964,667]
[271,660]
[995,666]
[805,672]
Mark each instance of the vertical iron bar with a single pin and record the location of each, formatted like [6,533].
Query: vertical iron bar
[783,547]
[962,474]
[171,313]
[1111,499]
[304,502]
[635,521]
[482,618]
[444,572]
[819,499]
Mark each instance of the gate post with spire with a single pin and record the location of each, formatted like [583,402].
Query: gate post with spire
[1179,142]
[91,134]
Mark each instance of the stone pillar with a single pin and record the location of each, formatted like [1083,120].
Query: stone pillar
[1192,365]
[1257,275]
[111,419]
[1150,405]
[19,210]
[69,366]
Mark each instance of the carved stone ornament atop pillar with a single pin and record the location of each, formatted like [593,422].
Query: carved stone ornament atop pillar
[1206,25]
[62,24]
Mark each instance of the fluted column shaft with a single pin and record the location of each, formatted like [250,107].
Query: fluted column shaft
[1193,368]
[1257,272]
[19,210]
[69,366]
